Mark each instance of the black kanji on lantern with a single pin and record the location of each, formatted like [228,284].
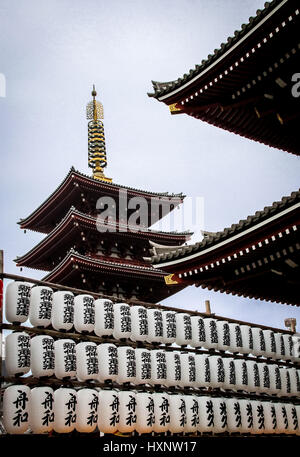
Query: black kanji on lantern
[23,351]
[213,331]
[108,315]
[226,334]
[170,325]
[158,323]
[201,330]
[68,310]
[207,370]
[23,300]
[187,327]
[210,413]
[237,414]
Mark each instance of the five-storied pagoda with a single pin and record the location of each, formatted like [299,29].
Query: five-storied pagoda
[97,232]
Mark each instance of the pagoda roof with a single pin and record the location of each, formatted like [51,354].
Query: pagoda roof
[258,257]
[75,265]
[45,217]
[65,232]
[245,85]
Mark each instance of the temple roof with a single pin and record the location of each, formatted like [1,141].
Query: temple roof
[259,257]
[74,187]
[261,219]
[63,236]
[75,266]
[245,86]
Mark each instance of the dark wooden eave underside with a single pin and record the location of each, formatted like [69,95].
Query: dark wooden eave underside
[76,268]
[247,88]
[76,227]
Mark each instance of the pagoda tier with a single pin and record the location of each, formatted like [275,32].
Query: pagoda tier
[83,192]
[257,258]
[119,277]
[84,233]
[250,85]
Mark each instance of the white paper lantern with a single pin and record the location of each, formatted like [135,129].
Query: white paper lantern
[41,408]
[169,327]
[247,416]
[84,313]
[292,418]
[108,411]
[62,316]
[282,418]
[198,332]
[17,353]
[259,344]
[188,367]
[288,347]
[183,329]
[230,376]
[87,361]
[155,326]
[65,359]
[211,334]
[241,372]
[126,364]
[294,382]
[42,356]
[174,369]
[139,323]
[108,362]
[206,414]
[86,410]
[275,379]
[127,411]
[192,414]
[253,376]
[143,366]
[297,407]
[122,321]
[280,349]
[234,416]
[40,306]
[296,348]
[177,410]
[17,298]
[65,400]
[258,417]
[247,338]
[104,317]
[16,409]
[161,412]
[270,418]
[203,370]
[264,377]
[270,344]
[145,417]
[158,367]
[285,382]
[217,372]
[236,339]
[224,334]
[220,419]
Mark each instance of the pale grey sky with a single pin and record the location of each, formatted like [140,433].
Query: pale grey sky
[51,54]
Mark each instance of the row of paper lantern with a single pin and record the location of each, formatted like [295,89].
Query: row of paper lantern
[63,311]
[41,410]
[124,364]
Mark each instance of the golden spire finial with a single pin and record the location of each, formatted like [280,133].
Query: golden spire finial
[96,138]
